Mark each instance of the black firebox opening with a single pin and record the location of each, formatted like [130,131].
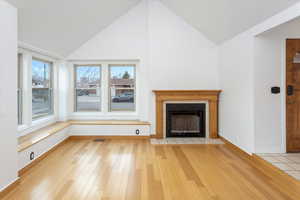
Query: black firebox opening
[185,120]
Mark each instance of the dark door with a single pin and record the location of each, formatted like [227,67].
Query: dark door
[293,95]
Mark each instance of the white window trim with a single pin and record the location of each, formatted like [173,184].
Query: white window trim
[20,89]
[104,114]
[50,88]
[28,124]
[74,87]
[109,92]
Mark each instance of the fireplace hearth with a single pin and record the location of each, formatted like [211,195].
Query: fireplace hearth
[185,120]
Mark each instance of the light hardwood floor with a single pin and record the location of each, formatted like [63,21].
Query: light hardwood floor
[137,170]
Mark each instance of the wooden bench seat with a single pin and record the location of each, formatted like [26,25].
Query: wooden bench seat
[41,134]
[30,139]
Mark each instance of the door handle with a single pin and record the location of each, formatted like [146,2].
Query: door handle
[290,102]
[290,90]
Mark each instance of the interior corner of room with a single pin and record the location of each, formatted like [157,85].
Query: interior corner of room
[150,83]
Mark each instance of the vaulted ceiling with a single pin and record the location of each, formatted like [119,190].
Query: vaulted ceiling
[220,20]
[62,26]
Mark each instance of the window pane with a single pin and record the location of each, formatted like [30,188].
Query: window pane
[41,73]
[88,88]
[42,98]
[19,90]
[88,77]
[88,99]
[41,102]
[122,88]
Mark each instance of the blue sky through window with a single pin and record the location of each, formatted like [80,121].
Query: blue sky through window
[41,72]
[40,69]
[119,71]
[90,72]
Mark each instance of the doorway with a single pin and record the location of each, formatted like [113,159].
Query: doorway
[293,95]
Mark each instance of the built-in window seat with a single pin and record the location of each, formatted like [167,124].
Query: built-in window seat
[41,134]
[34,146]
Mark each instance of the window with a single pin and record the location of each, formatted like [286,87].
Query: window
[88,88]
[42,94]
[122,87]
[19,89]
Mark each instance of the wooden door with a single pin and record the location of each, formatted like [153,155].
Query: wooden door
[293,95]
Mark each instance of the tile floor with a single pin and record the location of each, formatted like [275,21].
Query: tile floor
[288,162]
[186,141]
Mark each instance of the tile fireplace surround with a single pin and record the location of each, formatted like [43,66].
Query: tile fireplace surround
[211,96]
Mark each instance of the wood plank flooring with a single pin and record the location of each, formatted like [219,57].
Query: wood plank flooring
[137,170]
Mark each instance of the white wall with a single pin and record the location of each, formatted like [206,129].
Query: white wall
[8,94]
[247,109]
[236,102]
[180,56]
[172,54]
[270,71]
[124,40]
[64,87]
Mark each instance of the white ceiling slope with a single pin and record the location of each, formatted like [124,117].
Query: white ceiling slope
[220,20]
[61,26]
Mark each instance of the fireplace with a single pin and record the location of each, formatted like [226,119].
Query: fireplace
[211,97]
[185,120]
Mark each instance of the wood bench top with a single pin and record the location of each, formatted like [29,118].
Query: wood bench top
[39,135]
[32,138]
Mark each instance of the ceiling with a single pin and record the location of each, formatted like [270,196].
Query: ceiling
[61,26]
[220,20]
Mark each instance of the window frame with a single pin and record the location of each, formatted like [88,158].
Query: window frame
[105,114]
[109,88]
[20,88]
[28,123]
[51,88]
[75,66]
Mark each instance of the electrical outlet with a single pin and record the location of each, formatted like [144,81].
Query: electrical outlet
[137,131]
[31,156]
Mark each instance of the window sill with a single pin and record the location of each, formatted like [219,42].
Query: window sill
[22,128]
[36,124]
